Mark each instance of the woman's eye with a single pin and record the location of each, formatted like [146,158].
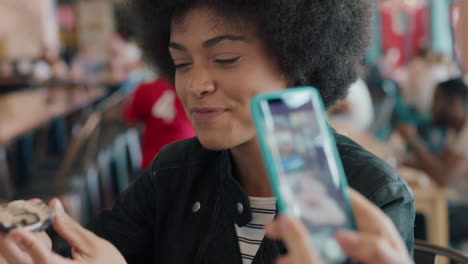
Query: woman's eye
[227,61]
[181,65]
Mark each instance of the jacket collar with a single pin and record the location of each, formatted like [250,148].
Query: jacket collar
[234,197]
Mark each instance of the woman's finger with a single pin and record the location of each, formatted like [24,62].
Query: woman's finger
[10,251]
[32,245]
[35,200]
[286,260]
[366,212]
[3,260]
[271,230]
[80,239]
[368,248]
[296,237]
[370,219]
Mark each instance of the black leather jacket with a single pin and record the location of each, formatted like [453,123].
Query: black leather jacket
[183,209]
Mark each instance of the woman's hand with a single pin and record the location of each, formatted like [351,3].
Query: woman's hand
[377,240]
[296,237]
[11,252]
[86,246]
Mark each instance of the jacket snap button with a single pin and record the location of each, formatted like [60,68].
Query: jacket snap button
[196,207]
[240,208]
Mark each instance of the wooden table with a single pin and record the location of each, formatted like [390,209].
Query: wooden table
[431,201]
[24,111]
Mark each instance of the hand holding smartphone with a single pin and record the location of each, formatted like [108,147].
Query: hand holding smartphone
[303,164]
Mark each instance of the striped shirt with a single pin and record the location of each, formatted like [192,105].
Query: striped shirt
[251,235]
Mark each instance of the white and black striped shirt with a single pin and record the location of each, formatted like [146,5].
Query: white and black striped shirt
[251,235]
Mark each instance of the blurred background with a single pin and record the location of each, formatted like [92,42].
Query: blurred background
[81,114]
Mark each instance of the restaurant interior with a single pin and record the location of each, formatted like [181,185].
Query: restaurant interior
[70,69]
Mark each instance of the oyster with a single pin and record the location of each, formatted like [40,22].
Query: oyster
[32,216]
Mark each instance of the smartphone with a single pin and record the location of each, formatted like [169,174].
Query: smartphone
[303,164]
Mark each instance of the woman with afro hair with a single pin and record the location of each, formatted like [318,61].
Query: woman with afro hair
[208,198]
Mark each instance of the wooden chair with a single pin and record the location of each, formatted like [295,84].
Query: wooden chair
[85,142]
[112,124]
[79,159]
[120,169]
[430,200]
[134,151]
[427,253]
[69,182]
[105,177]
[93,194]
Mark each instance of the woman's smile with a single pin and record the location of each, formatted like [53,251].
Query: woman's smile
[206,114]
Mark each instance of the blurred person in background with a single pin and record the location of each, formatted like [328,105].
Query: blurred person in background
[118,68]
[431,141]
[138,71]
[420,77]
[156,106]
[87,67]
[449,110]
[385,70]
[51,67]
[126,68]
[439,147]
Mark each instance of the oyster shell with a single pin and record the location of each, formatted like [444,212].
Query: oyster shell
[31,216]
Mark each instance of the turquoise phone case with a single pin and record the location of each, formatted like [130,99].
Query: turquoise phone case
[267,156]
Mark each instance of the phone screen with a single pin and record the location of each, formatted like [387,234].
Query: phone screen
[307,170]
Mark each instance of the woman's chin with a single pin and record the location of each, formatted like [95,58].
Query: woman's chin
[214,143]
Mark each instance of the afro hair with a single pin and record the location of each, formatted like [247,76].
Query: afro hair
[316,42]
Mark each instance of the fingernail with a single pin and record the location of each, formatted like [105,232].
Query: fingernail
[58,207]
[347,238]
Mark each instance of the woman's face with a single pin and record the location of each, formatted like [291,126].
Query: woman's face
[220,65]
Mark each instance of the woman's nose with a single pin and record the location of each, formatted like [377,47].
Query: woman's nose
[201,83]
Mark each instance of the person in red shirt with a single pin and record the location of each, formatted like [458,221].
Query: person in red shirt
[156,105]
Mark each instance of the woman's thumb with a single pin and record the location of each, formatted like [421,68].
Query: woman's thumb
[78,237]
